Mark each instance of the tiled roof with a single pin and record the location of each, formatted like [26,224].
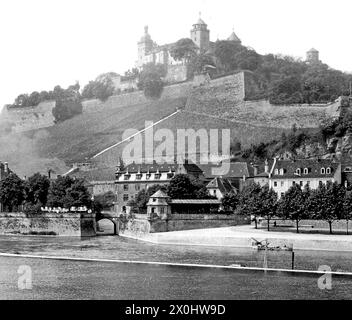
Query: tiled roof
[159,194]
[237,170]
[99,174]
[233,37]
[195,201]
[165,167]
[200,21]
[152,168]
[313,166]
[222,184]
[262,175]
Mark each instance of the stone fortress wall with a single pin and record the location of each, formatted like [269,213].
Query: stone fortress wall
[137,97]
[222,98]
[48,223]
[25,119]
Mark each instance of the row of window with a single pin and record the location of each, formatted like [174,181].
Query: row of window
[148,176]
[127,187]
[301,183]
[305,171]
[126,197]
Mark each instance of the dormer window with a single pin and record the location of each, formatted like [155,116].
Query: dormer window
[126,177]
[138,176]
[328,170]
[282,172]
[298,171]
[348,169]
[305,171]
[276,171]
[322,170]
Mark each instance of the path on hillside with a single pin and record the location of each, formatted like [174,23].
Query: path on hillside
[136,134]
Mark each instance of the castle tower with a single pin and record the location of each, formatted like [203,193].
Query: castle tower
[233,37]
[313,56]
[145,46]
[200,35]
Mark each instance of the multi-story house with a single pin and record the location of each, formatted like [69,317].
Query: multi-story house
[135,177]
[285,173]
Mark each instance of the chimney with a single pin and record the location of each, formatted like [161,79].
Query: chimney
[255,167]
[6,167]
[49,174]
[266,166]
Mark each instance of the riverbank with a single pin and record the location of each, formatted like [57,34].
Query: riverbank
[246,237]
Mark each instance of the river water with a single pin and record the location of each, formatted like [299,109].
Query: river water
[119,248]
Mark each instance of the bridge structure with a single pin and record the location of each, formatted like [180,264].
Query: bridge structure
[111,216]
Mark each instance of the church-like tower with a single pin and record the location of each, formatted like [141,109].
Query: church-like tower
[201,35]
[145,46]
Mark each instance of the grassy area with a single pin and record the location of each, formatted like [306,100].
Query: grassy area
[87,134]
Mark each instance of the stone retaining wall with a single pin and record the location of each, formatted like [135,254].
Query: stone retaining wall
[134,98]
[60,224]
[176,222]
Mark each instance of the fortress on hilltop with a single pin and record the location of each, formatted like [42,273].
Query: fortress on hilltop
[150,52]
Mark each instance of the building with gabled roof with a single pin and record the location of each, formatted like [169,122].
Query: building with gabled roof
[311,172]
[219,186]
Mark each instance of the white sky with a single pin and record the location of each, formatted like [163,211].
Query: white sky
[56,42]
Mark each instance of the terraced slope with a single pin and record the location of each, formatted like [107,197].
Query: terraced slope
[85,135]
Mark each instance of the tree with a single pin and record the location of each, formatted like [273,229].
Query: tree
[37,188]
[68,102]
[268,199]
[77,195]
[293,204]
[106,200]
[102,88]
[57,191]
[181,187]
[327,202]
[225,53]
[347,208]
[230,201]
[183,49]
[150,80]
[66,192]
[199,62]
[12,192]
[249,202]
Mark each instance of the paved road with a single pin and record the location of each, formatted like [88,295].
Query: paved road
[64,279]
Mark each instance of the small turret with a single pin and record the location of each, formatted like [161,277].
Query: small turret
[313,56]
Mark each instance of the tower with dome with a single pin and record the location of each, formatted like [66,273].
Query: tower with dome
[150,52]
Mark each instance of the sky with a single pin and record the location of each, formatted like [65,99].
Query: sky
[44,43]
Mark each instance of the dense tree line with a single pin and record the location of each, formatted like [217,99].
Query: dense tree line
[38,191]
[329,202]
[281,79]
[68,101]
